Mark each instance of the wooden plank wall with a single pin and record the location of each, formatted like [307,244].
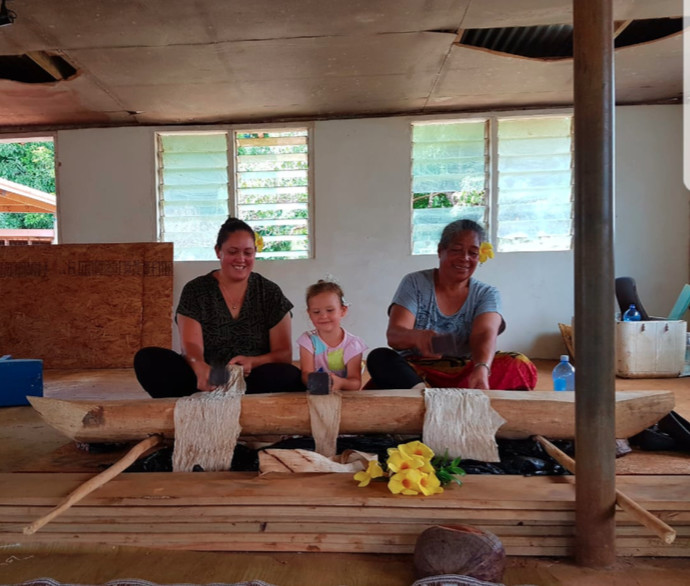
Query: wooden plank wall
[85,305]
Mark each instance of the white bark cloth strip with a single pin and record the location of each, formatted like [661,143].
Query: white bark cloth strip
[324,418]
[302,461]
[462,422]
[207,426]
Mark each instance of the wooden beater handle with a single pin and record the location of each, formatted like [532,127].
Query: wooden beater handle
[96,482]
[666,533]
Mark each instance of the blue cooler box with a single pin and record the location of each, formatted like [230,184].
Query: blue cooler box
[19,378]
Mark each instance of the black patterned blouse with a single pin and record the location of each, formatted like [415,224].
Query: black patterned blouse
[224,336]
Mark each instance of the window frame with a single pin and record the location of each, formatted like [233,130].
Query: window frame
[230,131]
[492,176]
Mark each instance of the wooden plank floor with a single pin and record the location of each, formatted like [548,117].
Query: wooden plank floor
[23,437]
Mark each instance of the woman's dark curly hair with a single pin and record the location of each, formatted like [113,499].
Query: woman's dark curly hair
[229,226]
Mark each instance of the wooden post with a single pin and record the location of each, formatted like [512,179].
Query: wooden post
[594,283]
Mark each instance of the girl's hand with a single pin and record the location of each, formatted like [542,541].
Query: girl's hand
[246,362]
[337,382]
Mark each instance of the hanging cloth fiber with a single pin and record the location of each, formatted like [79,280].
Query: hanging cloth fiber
[461,422]
[207,426]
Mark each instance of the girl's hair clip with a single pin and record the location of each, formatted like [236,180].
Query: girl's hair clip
[328,278]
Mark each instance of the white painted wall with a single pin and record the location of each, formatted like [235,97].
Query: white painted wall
[106,185]
[652,205]
[361,220]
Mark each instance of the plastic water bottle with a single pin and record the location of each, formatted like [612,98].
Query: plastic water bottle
[631,314]
[564,375]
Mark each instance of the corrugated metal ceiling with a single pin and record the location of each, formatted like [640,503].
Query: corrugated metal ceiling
[556,41]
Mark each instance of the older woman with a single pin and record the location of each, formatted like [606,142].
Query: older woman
[443,325]
[231,315]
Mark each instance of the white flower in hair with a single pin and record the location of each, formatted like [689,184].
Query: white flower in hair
[329,278]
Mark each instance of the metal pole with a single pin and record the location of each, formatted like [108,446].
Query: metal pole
[594,283]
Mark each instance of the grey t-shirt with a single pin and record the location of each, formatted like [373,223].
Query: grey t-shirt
[417,294]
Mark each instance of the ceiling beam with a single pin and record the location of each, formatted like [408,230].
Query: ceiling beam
[620,26]
[44,61]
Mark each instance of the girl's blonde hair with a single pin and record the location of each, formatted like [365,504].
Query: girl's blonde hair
[322,286]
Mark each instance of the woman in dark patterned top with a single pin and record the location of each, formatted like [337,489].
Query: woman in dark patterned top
[229,316]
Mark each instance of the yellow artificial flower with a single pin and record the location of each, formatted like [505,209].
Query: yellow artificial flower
[486,251]
[399,461]
[428,468]
[373,470]
[258,242]
[430,484]
[405,482]
[416,448]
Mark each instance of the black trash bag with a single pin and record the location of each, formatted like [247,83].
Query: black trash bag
[518,457]
[243,460]
[653,439]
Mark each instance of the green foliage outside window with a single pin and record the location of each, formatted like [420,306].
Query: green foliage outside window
[448,200]
[31,164]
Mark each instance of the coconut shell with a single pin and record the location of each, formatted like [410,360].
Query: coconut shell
[459,549]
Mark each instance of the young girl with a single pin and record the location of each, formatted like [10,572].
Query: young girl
[329,347]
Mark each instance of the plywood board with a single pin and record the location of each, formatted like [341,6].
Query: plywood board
[85,305]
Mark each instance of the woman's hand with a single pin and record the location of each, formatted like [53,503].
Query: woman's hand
[424,338]
[192,342]
[479,378]
[246,362]
[483,345]
[401,334]
[202,372]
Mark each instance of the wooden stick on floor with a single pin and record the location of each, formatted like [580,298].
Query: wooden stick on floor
[96,482]
[666,533]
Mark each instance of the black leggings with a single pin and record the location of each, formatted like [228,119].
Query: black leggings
[165,373]
[389,370]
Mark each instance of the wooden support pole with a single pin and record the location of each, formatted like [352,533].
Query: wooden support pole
[594,283]
[96,482]
[666,533]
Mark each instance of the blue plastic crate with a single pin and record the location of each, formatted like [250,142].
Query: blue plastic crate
[18,378]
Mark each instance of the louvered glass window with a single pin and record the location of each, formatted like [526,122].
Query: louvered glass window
[261,176]
[511,175]
[534,184]
[449,175]
[272,179]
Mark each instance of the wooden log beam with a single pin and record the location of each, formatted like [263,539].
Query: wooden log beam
[594,281]
[547,413]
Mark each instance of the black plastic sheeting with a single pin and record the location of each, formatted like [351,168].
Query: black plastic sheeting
[521,457]
[517,457]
